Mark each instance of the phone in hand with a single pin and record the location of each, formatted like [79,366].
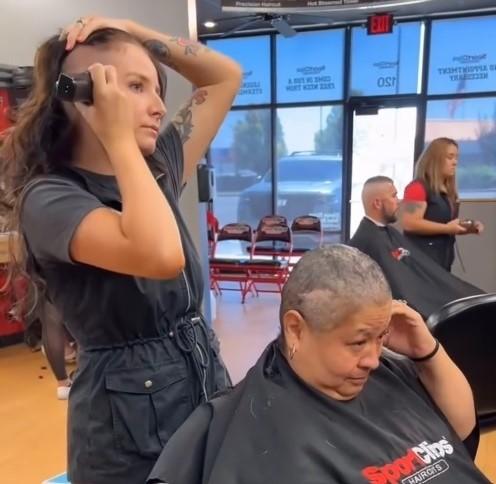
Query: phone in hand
[469,226]
[75,88]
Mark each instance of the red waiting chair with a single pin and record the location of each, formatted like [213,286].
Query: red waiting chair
[228,269]
[273,269]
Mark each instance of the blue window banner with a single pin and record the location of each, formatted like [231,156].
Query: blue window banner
[253,54]
[310,66]
[463,56]
[386,64]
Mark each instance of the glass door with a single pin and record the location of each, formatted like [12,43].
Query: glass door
[383,143]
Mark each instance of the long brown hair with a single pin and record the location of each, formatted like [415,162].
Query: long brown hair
[429,168]
[43,138]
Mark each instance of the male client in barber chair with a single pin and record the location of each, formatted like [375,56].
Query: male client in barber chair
[411,274]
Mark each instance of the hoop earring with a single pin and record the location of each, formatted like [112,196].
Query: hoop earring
[292,352]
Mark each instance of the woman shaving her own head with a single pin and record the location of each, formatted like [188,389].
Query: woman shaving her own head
[96,191]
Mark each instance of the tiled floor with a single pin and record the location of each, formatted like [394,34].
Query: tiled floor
[245,329]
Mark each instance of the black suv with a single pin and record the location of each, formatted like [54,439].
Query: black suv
[307,184]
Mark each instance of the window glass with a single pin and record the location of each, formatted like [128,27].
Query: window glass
[386,64]
[463,56]
[309,164]
[310,66]
[472,123]
[253,54]
[241,166]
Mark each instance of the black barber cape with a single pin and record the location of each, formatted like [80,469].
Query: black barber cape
[412,275]
[274,429]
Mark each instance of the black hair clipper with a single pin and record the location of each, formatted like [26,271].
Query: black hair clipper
[75,88]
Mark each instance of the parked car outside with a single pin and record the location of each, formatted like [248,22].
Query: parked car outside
[307,184]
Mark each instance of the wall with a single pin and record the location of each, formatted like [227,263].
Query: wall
[478,252]
[27,23]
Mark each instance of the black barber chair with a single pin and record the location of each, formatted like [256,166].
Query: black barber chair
[467,330]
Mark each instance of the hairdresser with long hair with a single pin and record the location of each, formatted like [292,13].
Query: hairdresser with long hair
[96,191]
[429,212]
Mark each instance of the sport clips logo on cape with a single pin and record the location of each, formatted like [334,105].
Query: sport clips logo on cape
[400,253]
[420,464]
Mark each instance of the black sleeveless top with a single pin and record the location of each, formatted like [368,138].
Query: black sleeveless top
[441,247]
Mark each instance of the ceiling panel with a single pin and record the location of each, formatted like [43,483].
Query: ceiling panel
[211,9]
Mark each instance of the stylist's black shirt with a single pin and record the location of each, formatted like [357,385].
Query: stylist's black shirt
[440,247]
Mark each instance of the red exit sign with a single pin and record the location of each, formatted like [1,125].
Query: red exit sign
[380,24]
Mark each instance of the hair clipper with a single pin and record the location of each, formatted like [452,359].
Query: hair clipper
[75,88]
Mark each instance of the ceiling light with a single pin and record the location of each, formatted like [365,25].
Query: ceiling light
[210,24]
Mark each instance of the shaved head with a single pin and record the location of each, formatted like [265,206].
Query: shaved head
[330,283]
[379,198]
[117,48]
[374,186]
[83,56]
[335,312]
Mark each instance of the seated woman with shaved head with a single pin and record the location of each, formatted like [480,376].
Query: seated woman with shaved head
[324,404]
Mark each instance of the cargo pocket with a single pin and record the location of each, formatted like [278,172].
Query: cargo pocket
[147,405]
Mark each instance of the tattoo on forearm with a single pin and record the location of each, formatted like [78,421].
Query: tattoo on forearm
[184,118]
[199,96]
[162,52]
[159,49]
[411,207]
[190,47]
[184,122]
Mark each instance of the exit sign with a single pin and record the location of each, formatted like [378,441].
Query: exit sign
[380,24]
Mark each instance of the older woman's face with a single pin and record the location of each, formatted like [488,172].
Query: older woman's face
[339,361]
